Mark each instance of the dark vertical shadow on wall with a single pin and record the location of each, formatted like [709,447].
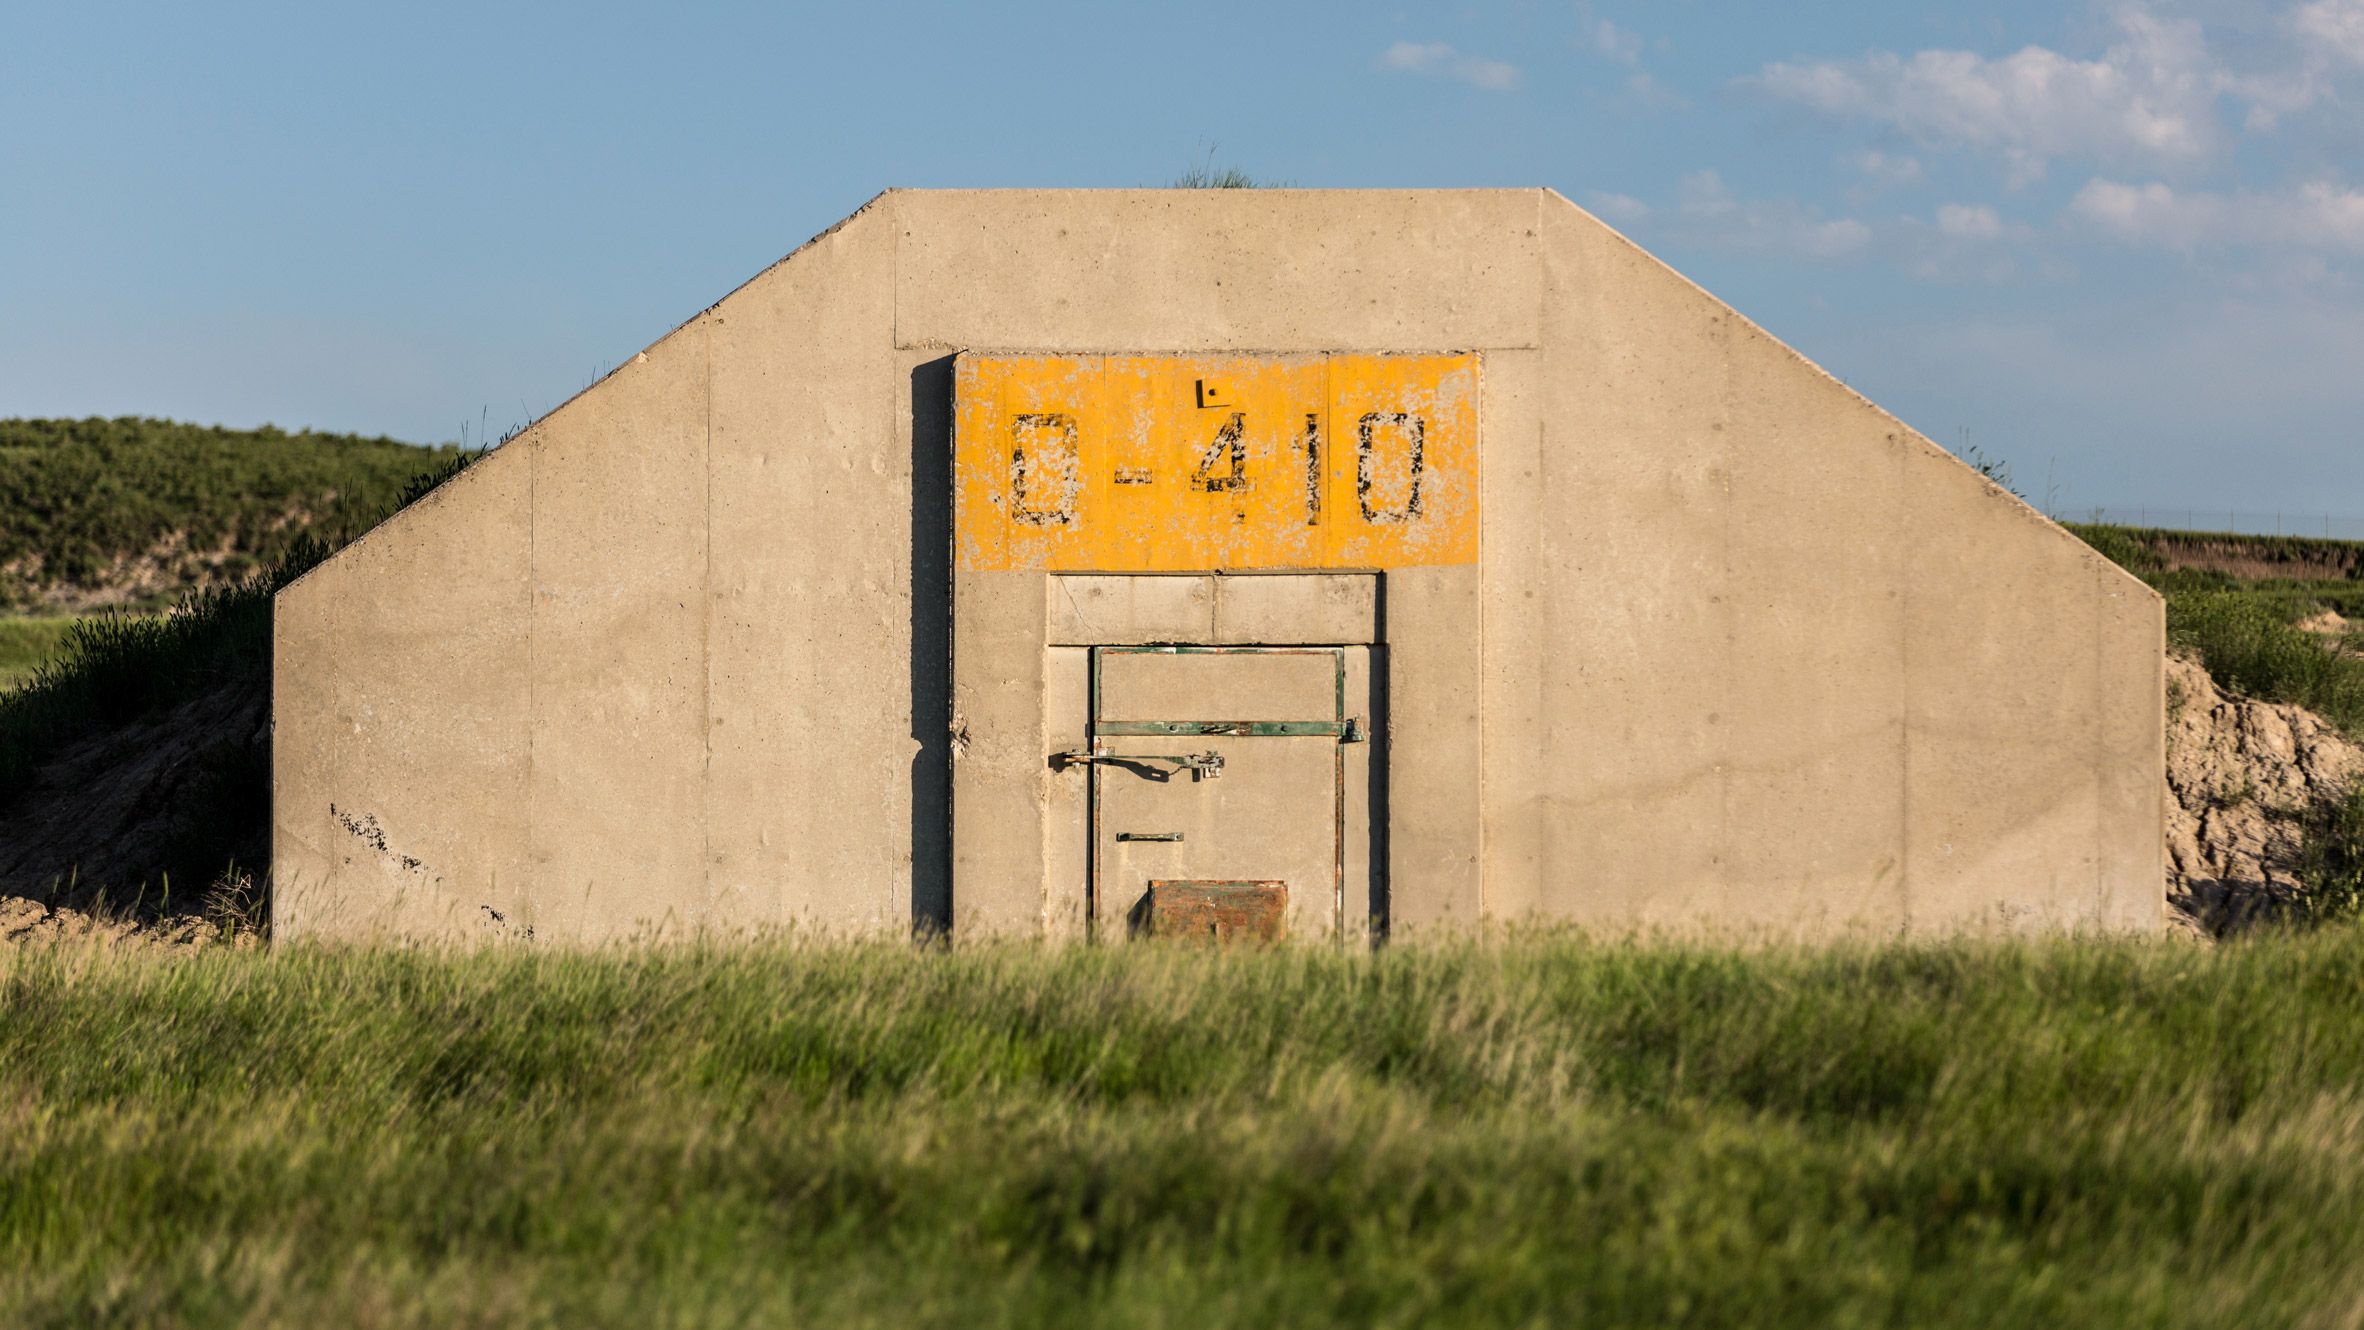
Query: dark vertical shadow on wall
[931,647]
[1382,889]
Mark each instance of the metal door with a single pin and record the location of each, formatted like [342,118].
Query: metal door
[1222,765]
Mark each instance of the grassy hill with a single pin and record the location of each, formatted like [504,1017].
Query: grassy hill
[135,512]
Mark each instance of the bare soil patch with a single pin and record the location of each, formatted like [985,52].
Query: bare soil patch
[25,922]
[137,820]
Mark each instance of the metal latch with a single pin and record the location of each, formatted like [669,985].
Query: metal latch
[1201,766]
[1355,733]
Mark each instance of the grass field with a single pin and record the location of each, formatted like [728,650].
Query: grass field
[1548,1132]
[25,643]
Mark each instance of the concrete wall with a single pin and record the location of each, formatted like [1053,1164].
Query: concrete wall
[1740,650]
[1756,652]
[648,668]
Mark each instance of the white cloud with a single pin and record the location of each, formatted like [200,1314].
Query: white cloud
[2144,213]
[2150,97]
[2156,97]
[1886,168]
[1624,46]
[1707,213]
[2328,38]
[1415,56]
[1623,209]
[1653,94]
[1963,242]
[1967,221]
[2333,27]
[2316,216]
[1439,58]
[1619,44]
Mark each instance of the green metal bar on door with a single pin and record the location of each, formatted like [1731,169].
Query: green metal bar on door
[1259,729]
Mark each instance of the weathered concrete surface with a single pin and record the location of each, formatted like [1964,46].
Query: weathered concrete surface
[401,722]
[813,760]
[1740,650]
[1289,609]
[1193,270]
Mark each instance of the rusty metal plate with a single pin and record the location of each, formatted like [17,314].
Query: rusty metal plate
[1216,912]
[1127,464]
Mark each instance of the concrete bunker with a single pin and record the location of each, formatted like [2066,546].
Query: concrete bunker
[1069,563]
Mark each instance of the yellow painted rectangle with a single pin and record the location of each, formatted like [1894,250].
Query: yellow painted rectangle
[1211,463]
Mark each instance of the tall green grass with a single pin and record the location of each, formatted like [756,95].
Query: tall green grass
[1546,1132]
[25,644]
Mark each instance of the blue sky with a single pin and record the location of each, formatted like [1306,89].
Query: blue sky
[2117,245]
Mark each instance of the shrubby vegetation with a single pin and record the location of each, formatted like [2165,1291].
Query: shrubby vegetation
[115,667]
[2251,646]
[2244,630]
[1544,1132]
[2332,861]
[82,499]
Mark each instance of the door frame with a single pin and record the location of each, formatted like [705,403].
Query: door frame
[1338,727]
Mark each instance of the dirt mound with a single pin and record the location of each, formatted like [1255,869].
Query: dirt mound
[2329,624]
[31,922]
[2242,778]
[142,819]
